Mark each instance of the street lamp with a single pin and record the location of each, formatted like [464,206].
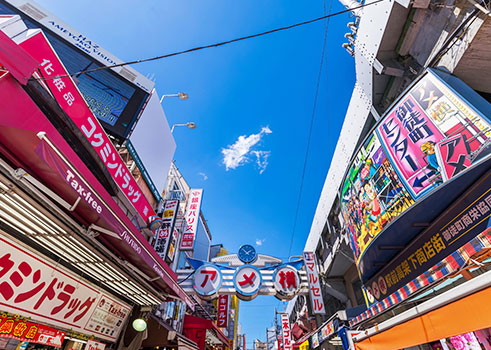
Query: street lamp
[182,96]
[190,125]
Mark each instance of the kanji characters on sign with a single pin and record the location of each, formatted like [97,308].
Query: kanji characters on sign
[191,219]
[285,327]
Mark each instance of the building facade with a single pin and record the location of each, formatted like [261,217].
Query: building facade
[388,232]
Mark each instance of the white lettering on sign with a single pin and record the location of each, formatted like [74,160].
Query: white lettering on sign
[314,283]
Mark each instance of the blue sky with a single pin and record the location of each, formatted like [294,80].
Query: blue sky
[256,93]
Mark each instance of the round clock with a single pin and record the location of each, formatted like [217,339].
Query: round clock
[247,254]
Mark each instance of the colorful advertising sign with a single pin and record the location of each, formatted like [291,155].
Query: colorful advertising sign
[314,283]
[30,332]
[287,337]
[286,281]
[427,138]
[247,282]
[466,218]
[222,313]
[165,240]
[191,219]
[32,287]
[315,340]
[65,91]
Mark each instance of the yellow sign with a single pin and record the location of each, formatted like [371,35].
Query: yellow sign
[304,345]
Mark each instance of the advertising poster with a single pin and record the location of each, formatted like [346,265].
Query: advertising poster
[30,332]
[427,138]
[372,195]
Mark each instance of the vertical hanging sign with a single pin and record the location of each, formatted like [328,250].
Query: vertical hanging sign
[314,284]
[164,237]
[222,317]
[191,219]
[285,326]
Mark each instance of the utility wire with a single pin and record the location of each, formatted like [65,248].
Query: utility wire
[217,44]
[312,122]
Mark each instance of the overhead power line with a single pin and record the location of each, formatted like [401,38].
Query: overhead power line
[311,124]
[217,44]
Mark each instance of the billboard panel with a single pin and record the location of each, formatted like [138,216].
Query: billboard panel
[428,137]
[191,219]
[154,142]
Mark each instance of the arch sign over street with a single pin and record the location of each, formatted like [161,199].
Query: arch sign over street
[247,275]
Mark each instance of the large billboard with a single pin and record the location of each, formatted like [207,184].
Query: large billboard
[116,96]
[430,136]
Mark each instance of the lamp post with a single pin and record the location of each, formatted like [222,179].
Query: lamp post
[182,96]
[190,125]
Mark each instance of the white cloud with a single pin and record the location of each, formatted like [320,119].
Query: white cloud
[260,242]
[261,159]
[238,154]
[205,177]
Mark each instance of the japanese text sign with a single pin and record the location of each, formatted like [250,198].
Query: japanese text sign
[222,312]
[286,281]
[164,235]
[247,282]
[72,102]
[430,136]
[285,327]
[191,219]
[314,283]
[32,287]
[207,281]
[466,219]
[30,332]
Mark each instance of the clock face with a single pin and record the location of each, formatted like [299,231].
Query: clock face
[247,254]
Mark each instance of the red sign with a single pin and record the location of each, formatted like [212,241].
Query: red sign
[222,318]
[287,337]
[191,219]
[71,100]
[32,287]
[30,332]
[314,283]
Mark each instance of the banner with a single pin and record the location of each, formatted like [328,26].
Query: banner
[191,219]
[222,313]
[164,237]
[94,345]
[71,100]
[428,137]
[314,283]
[463,221]
[287,337]
[34,288]
[30,332]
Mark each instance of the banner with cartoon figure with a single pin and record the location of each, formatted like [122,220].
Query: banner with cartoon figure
[428,137]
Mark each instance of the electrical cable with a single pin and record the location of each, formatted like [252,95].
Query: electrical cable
[311,124]
[216,44]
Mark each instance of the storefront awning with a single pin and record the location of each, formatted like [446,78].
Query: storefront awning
[469,313]
[22,121]
[198,323]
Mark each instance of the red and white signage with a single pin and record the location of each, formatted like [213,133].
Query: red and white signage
[314,283]
[30,332]
[247,282]
[94,345]
[222,316]
[207,281]
[191,219]
[34,288]
[286,281]
[163,236]
[287,337]
[71,100]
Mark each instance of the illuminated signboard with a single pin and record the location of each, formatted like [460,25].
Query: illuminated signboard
[430,136]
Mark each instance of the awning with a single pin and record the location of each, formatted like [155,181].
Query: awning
[21,121]
[193,327]
[469,313]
